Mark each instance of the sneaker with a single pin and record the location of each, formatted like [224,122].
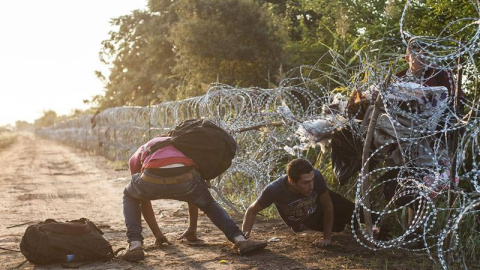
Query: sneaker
[249,246]
[133,255]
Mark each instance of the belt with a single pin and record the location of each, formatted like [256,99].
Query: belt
[171,180]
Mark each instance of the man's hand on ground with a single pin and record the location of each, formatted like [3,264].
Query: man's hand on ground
[190,236]
[160,240]
[322,243]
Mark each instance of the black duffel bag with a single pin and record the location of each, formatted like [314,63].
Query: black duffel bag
[54,242]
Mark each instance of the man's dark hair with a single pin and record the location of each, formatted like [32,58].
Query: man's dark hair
[297,167]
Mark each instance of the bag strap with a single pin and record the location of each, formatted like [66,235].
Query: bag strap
[154,147]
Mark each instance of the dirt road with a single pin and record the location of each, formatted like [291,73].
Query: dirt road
[41,179]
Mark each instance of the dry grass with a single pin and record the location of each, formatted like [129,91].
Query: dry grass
[7,138]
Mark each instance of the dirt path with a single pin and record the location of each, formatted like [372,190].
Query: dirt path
[41,179]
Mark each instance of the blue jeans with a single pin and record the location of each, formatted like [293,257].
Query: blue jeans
[193,191]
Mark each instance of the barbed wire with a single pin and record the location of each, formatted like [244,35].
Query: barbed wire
[412,147]
[248,113]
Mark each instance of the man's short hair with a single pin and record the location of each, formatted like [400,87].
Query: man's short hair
[297,167]
[416,45]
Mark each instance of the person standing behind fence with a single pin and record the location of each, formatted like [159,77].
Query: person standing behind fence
[424,72]
[169,174]
[421,71]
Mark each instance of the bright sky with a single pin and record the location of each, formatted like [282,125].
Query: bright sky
[49,52]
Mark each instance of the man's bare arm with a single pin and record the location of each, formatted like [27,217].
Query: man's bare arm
[327,207]
[249,218]
[149,216]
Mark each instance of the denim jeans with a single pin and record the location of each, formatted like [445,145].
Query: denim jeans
[193,191]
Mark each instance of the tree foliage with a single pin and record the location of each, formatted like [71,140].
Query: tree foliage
[230,41]
[140,58]
[48,119]
[23,125]
[176,48]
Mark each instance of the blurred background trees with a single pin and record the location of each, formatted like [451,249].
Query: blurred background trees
[48,119]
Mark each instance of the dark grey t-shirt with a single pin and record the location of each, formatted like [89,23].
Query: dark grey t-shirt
[296,210]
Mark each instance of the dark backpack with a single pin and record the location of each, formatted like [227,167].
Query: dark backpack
[208,145]
[51,242]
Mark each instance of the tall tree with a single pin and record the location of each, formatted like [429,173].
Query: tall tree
[140,57]
[230,41]
[48,119]
[177,47]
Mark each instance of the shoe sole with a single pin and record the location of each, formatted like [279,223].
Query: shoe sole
[251,249]
[134,257]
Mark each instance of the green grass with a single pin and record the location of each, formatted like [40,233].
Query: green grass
[269,213]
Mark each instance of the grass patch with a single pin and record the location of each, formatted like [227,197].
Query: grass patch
[269,213]
[7,139]
[119,165]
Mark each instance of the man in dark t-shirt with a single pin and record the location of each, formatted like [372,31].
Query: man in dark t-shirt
[304,202]
[296,209]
